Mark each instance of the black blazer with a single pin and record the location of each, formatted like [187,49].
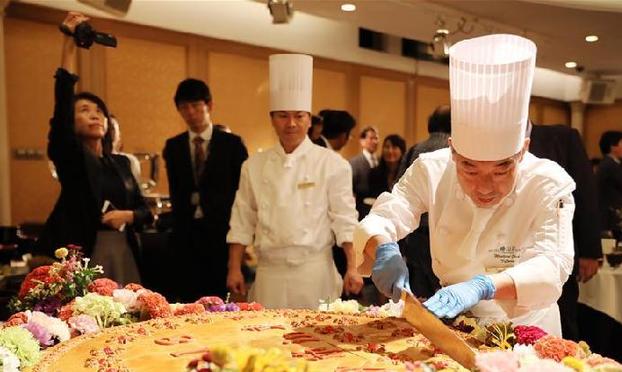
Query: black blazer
[360,183]
[76,216]
[563,145]
[217,186]
[609,176]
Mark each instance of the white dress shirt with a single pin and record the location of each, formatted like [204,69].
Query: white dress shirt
[371,158]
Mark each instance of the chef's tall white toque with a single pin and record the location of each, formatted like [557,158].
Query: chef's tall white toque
[490,82]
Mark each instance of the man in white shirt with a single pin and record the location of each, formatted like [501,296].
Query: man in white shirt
[362,164]
[294,200]
[500,219]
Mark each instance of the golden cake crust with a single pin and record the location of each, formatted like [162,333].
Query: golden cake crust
[327,341]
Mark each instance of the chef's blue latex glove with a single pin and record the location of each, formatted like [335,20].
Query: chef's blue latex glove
[450,301]
[390,274]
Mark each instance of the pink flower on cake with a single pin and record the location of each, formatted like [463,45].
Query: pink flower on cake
[208,301]
[496,361]
[84,324]
[546,365]
[184,309]
[66,311]
[133,287]
[17,319]
[34,278]
[528,335]
[103,286]
[154,305]
[551,347]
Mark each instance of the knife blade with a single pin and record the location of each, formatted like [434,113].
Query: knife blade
[438,333]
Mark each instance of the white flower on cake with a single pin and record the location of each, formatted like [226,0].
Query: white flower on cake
[128,298]
[344,307]
[8,361]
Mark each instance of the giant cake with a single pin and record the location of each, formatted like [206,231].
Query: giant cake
[325,341]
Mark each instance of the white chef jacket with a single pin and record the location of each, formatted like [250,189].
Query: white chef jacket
[528,235]
[291,207]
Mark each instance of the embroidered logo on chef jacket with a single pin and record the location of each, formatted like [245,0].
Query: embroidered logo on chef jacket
[503,256]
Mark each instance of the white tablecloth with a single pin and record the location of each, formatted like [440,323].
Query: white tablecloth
[604,292]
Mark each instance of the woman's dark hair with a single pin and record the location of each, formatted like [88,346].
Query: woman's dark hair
[191,90]
[396,140]
[108,137]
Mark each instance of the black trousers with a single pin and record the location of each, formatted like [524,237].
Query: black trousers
[198,257]
[568,309]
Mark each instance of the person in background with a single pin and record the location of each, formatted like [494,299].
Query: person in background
[609,176]
[500,218]
[295,200]
[117,148]
[337,125]
[222,128]
[100,206]
[384,176]
[563,145]
[439,129]
[203,168]
[315,132]
[361,165]
[416,246]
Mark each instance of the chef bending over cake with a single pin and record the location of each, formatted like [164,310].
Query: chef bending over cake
[500,218]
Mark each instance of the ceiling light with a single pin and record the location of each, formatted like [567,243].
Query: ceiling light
[571,64]
[442,31]
[591,38]
[281,11]
[348,7]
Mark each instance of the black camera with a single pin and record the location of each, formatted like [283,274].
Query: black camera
[84,36]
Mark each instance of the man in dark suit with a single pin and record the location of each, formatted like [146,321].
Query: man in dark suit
[361,165]
[203,167]
[337,125]
[609,176]
[563,145]
[416,246]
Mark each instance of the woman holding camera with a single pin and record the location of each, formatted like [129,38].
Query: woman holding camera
[100,206]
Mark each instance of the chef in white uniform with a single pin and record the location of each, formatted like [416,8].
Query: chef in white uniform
[500,218]
[293,201]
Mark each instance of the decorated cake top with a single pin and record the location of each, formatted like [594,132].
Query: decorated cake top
[71,322]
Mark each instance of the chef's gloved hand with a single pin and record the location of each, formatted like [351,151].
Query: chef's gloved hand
[450,301]
[390,274]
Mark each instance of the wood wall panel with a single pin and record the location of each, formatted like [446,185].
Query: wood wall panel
[32,52]
[599,119]
[555,114]
[141,78]
[383,105]
[429,97]
[329,90]
[241,99]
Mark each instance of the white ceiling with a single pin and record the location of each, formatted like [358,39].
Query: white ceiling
[558,27]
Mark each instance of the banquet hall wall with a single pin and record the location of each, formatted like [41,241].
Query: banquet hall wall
[138,80]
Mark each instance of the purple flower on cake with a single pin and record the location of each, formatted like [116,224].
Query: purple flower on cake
[40,333]
[56,327]
[84,324]
[496,361]
[48,305]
